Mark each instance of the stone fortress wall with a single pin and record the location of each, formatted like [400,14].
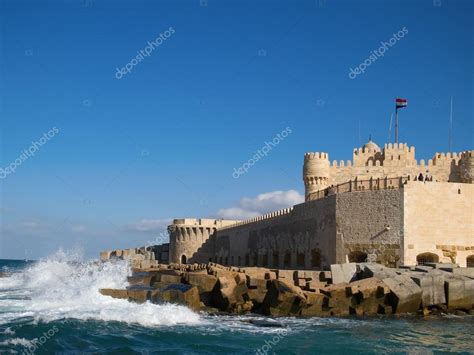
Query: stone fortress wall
[187,235]
[376,212]
[394,160]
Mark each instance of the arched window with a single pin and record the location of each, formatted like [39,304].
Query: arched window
[265,260]
[247,260]
[287,260]
[183,259]
[276,259]
[255,259]
[424,258]
[239,261]
[300,260]
[315,258]
[470,261]
[357,257]
[226,260]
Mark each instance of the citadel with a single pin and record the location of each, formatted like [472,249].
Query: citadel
[371,208]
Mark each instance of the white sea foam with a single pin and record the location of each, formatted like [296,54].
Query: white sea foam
[17,341]
[62,286]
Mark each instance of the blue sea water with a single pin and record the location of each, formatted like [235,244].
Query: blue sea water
[53,306]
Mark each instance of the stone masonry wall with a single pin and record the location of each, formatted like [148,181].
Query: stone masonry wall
[439,219]
[301,239]
[370,225]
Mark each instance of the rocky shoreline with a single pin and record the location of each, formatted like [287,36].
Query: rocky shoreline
[347,289]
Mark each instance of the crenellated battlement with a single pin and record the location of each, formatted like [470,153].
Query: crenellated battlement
[316,155]
[264,217]
[394,159]
[467,154]
[399,147]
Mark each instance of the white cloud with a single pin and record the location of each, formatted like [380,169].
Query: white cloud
[236,213]
[262,203]
[149,225]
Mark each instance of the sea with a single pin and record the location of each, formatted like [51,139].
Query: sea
[53,306]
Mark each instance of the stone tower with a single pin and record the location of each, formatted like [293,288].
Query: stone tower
[467,166]
[315,172]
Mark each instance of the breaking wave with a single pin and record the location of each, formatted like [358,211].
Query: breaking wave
[62,286]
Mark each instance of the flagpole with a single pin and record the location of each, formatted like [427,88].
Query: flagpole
[396,125]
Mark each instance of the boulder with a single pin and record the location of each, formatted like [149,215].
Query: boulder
[283,299]
[405,294]
[344,272]
[186,295]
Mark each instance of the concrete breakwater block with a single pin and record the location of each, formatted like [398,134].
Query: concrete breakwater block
[186,295]
[432,288]
[459,292]
[405,294]
[344,272]
[370,289]
[283,299]
[376,270]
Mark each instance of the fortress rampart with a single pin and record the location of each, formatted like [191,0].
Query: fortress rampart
[394,160]
[187,235]
[371,208]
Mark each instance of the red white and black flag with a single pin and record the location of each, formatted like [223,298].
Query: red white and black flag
[400,103]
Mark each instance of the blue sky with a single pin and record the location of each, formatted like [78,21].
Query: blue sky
[163,141]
